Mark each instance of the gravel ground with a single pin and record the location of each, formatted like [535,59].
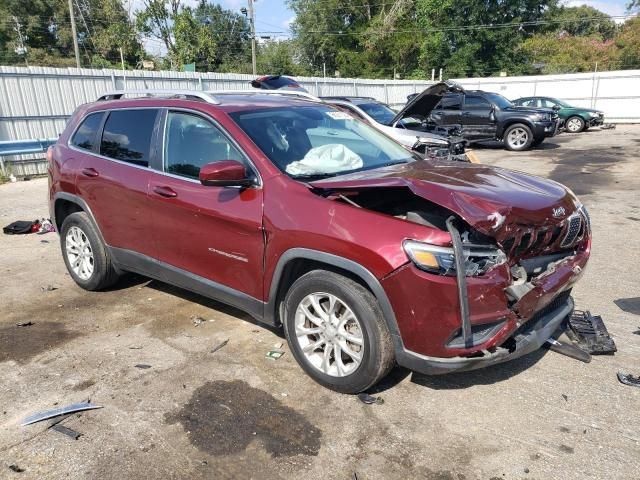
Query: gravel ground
[235,414]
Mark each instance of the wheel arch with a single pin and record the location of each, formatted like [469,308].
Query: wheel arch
[297,261]
[64,204]
[513,121]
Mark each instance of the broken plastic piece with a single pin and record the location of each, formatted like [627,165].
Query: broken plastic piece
[16,468]
[370,399]
[219,346]
[274,354]
[629,379]
[75,407]
[24,324]
[143,366]
[568,349]
[589,332]
[66,431]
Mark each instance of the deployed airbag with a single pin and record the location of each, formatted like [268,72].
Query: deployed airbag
[329,158]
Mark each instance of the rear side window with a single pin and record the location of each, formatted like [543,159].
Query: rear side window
[127,135]
[450,102]
[85,136]
[476,102]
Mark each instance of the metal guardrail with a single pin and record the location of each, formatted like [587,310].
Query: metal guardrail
[23,147]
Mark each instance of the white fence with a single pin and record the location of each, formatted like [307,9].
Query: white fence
[35,102]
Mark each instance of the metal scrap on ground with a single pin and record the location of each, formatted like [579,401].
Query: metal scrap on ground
[66,431]
[56,412]
[219,346]
[274,354]
[590,333]
[370,399]
[629,379]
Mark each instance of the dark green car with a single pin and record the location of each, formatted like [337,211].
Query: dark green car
[573,119]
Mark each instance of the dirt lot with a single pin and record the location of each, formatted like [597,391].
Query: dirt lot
[235,414]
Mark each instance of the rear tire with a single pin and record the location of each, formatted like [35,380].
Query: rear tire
[518,137]
[85,256]
[575,124]
[345,345]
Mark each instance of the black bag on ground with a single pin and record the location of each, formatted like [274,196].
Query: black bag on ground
[19,227]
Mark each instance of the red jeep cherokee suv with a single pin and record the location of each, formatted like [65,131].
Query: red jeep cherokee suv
[305,217]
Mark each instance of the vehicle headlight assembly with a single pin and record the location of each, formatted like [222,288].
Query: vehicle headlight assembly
[542,117]
[478,259]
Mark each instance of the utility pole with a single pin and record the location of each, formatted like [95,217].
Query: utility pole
[74,32]
[252,22]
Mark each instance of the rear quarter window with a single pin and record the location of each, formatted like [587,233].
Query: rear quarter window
[85,135]
[127,135]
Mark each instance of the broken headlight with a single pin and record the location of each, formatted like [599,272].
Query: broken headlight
[478,259]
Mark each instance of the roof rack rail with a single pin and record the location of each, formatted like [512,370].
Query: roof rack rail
[188,94]
[257,91]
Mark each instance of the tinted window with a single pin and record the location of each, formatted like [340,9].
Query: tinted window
[450,102]
[476,102]
[127,135]
[531,102]
[85,135]
[191,142]
[548,103]
[498,100]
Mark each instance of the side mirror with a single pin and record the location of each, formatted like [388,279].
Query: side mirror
[226,173]
[557,107]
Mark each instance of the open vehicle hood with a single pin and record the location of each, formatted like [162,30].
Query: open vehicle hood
[492,200]
[425,102]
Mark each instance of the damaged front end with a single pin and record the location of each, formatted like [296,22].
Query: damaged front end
[499,289]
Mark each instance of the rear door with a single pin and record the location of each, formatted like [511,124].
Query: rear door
[478,118]
[114,176]
[212,232]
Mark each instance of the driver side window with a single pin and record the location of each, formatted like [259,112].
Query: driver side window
[548,103]
[191,142]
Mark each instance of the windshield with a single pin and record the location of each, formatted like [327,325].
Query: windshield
[379,112]
[318,141]
[498,100]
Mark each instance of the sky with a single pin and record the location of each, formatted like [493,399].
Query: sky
[274,16]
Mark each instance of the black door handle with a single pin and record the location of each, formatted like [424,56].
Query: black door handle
[165,192]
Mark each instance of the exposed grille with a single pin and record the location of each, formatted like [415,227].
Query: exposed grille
[528,241]
[575,224]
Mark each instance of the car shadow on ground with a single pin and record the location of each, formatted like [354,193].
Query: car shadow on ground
[212,304]
[483,376]
[495,145]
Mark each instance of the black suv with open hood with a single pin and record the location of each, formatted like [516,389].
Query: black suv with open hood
[488,116]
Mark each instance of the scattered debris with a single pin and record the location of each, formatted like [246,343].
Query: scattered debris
[197,320]
[370,399]
[143,366]
[135,347]
[16,468]
[566,398]
[629,379]
[568,349]
[589,332]
[66,431]
[637,332]
[630,305]
[219,346]
[278,346]
[274,354]
[56,412]
[608,126]
[21,227]
[44,241]
[48,288]
[24,324]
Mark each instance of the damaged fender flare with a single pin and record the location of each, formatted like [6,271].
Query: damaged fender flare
[361,272]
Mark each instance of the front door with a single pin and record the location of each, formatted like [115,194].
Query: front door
[478,118]
[213,232]
[448,113]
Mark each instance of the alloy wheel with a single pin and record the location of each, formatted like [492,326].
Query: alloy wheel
[329,334]
[79,253]
[574,125]
[518,137]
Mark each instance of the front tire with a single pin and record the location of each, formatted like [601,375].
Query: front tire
[575,124]
[84,254]
[336,332]
[518,137]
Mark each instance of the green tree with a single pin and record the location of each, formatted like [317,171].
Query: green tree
[628,44]
[280,58]
[580,21]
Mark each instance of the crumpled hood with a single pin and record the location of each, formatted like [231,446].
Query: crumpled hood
[488,198]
